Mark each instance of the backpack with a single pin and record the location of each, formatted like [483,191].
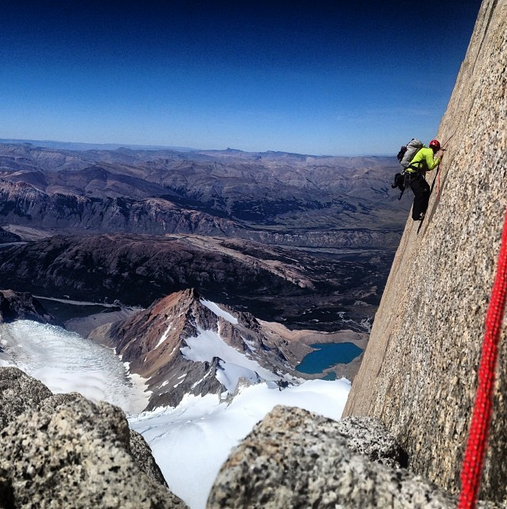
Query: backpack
[408,151]
[405,156]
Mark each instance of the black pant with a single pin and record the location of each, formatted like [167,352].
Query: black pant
[421,190]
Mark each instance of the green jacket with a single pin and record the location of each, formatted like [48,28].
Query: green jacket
[423,161]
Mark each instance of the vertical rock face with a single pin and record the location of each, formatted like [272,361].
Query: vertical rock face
[419,373]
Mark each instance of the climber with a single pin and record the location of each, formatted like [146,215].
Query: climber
[426,159]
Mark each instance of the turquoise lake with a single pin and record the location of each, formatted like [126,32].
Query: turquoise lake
[327,355]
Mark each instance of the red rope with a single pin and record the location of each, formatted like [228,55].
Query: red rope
[471,472]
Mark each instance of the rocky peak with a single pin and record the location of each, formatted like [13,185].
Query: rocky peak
[157,332]
[184,344]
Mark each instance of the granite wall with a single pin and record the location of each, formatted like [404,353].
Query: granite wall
[419,372]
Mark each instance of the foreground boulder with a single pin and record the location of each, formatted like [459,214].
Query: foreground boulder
[65,451]
[18,393]
[296,459]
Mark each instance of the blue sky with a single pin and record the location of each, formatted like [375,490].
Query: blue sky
[315,77]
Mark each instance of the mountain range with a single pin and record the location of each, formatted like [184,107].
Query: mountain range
[300,239]
[274,197]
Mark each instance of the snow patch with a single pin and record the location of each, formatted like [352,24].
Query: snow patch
[234,365]
[249,344]
[164,336]
[219,312]
[195,384]
[230,375]
[191,442]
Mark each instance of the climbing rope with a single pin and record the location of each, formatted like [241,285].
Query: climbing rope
[471,472]
[439,170]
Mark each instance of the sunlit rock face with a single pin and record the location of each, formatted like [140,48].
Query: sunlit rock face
[419,373]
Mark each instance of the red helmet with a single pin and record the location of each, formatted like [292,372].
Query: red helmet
[435,144]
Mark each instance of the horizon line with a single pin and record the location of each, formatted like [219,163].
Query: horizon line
[83,146]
